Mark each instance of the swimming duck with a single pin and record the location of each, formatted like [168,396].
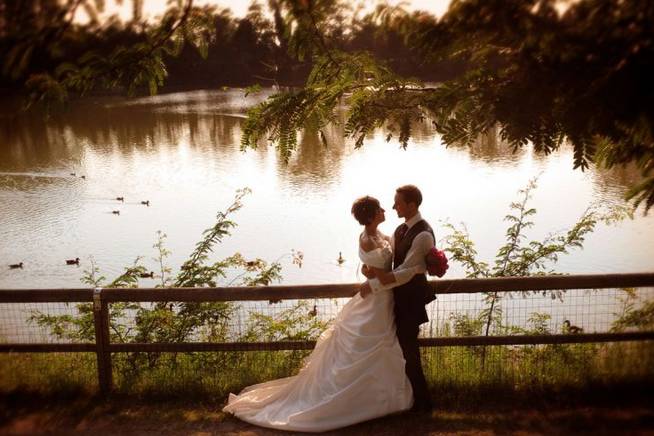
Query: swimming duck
[16,265]
[72,174]
[340,259]
[149,275]
[115,212]
[72,262]
[83,177]
[120,199]
[146,202]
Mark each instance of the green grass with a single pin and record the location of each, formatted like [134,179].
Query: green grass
[203,375]
[559,373]
[457,375]
[48,373]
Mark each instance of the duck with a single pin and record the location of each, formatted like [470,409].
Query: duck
[115,212]
[120,199]
[149,275]
[146,202]
[72,262]
[16,265]
[340,259]
[569,328]
[72,174]
[83,177]
[314,311]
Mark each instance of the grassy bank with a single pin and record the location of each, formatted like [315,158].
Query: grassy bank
[458,376]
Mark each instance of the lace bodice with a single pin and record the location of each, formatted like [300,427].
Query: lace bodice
[381,257]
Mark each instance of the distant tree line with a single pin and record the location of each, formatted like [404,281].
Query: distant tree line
[538,75]
[39,37]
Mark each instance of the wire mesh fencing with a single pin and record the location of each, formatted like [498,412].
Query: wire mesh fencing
[47,323]
[211,348]
[540,312]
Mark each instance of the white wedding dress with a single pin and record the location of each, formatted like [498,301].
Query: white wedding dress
[355,373]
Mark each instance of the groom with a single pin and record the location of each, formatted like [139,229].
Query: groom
[411,243]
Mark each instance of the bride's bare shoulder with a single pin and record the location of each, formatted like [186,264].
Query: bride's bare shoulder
[366,243]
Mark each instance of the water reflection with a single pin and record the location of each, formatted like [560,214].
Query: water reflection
[490,149]
[202,120]
[314,161]
[35,141]
[182,152]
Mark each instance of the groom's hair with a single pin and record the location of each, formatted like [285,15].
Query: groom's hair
[410,194]
[364,209]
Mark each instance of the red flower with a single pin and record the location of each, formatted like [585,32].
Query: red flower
[436,261]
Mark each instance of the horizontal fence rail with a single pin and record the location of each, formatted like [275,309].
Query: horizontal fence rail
[101,299]
[253,293]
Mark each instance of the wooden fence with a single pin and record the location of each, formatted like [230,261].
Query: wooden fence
[101,298]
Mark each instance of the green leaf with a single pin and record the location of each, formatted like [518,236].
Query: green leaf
[253,89]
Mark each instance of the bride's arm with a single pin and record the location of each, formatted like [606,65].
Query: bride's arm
[367,245]
[404,272]
[368,272]
[385,277]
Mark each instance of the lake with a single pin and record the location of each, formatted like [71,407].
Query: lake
[181,152]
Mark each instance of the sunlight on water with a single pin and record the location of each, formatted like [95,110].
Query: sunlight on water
[182,153]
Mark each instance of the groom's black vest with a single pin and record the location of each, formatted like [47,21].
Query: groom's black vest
[411,298]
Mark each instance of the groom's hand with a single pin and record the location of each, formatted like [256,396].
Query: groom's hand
[365,290]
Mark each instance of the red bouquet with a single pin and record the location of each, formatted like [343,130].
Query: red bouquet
[436,261]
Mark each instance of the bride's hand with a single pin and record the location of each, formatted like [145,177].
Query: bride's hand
[368,272]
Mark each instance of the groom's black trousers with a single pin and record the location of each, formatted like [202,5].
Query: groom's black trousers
[407,334]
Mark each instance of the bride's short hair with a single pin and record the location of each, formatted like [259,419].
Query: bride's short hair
[364,209]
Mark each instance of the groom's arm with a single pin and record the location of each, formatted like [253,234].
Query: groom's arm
[413,264]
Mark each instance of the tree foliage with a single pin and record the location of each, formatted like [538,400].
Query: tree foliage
[544,72]
[636,313]
[544,77]
[136,63]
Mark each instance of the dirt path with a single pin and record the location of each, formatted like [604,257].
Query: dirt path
[134,418]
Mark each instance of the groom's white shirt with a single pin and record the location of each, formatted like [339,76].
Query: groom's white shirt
[414,262]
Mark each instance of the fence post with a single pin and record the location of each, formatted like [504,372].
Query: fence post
[101,318]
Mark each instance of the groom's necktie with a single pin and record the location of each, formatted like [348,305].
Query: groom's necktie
[402,231]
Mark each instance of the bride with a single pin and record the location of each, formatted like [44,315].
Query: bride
[356,371]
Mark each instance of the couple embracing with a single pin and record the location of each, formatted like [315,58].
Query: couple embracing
[366,364]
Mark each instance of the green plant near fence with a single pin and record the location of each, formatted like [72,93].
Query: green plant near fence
[177,322]
[219,372]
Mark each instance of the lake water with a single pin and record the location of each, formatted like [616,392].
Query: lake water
[182,153]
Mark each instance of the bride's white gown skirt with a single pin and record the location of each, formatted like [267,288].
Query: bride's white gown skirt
[355,373]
